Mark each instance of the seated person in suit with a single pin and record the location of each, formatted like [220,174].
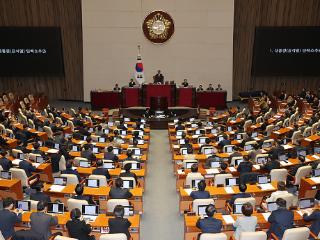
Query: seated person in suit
[185,83]
[127,172]
[207,144]
[224,142]
[281,190]
[223,168]
[245,223]
[293,170]
[78,228]
[242,194]
[219,88]
[132,83]
[118,192]
[130,157]
[186,144]
[69,170]
[8,218]
[194,171]
[27,167]
[100,170]
[116,88]
[39,195]
[236,153]
[119,224]
[210,159]
[200,88]
[200,193]
[314,217]
[210,87]
[109,155]
[79,195]
[272,163]
[158,78]
[280,219]
[41,222]
[209,224]
[5,163]
[180,126]
[87,153]
[245,166]
[36,149]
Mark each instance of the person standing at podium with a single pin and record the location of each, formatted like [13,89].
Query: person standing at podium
[132,83]
[158,78]
[185,83]
[116,87]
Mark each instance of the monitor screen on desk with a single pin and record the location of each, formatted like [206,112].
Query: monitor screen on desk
[84,164]
[21,156]
[116,151]
[237,208]
[93,183]
[238,137]
[127,184]
[110,124]
[123,132]
[60,181]
[137,151]
[306,203]
[84,138]
[189,165]
[75,148]
[194,183]
[184,151]
[92,210]
[301,152]
[238,161]
[24,205]
[229,149]
[214,131]
[266,145]
[220,138]
[247,147]
[140,141]
[108,165]
[6,175]
[135,166]
[126,119]
[56,208]
[316,150]
[208,150]
[232,182]
[283,157]
[229,129]
[263,179]
[262,160]
[56,146]
[202,210]
[272,206]
[102,139]
[179,132]
[106,131]
[95,150]
[215,164]
[202,140]
[254,135]
[128,210]
[316,172]
[182,141]
[39,159]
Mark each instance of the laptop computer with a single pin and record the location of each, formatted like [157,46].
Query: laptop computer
[301,152]
[202,210]
[316,150]
[202,140]
[194,183]
[229,149]
[108,165]
[6,175]
[56,146]
[62,181]
[93,183]
[264,179]
[247,147]
[254,134]
[189,164]
[95,150]
[266,145]
[214,131]
[271,206]
[84,164]
[237,208]
[179,132]
[75,148]
[232,182]
[127,184]
[110,124]
[238,137]
[215,164]
[316,172]
[55,208]
[106,131]
[128,211]
[283,157]
[123,132]
[262,160]
[39,159]
[140,141]
[126,119]
[306,203]
[184,151]
[137,151]
[101,140]
[220,138]
[90,212]
[135,166]
[238,161]
[116,151]
[229,129]
[21,156]
[24,205]
[181,141]
[208,151]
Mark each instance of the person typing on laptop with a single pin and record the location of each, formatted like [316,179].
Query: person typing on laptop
[201,193]
[119,224]
[209,224]
[242,194]
[9,217]
[100,170]
[79,195]
[78,228]
[128,173]
[118,192]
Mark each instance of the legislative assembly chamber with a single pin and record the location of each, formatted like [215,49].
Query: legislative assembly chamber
[159,119]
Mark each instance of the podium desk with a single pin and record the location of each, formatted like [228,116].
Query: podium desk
[105,99]
[131,97]
[207,99]
[186,96]
[159,90]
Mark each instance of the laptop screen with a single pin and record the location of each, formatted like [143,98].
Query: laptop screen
[135,166]
[208,151]
[263,179]
[93,183]
[237,208]
[126,119]
[195,182]
[102,139]
[92,210]
[215,164]
[21,156]
[128,184]
[238,137]
[229,149]
[306,203]
[266,145]
[84,164]
[302,153]
[283,157]
[95,150]
[202,210]
[254,134]
[214,131]
[24,205]
[232,182]
[6,175]
[316,150]
[84,138]
[123,132]
[39,159]
[56,208]
[140,141]
[128,210]
[106,131]
[229,129]
[247,147]
[316,172]
[137,151]
[108,165]
[75,148]
[238,161]
[184,151]
[189,165]
[116,151]
[179,133]
[182,141]
[202,140]
[272,206]
[60,181]
[261,160]
[110,124]
[56,146]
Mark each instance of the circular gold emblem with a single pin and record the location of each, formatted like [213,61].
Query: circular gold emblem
[158,27]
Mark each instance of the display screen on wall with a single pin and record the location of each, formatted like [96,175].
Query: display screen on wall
[286,51]
[31,51]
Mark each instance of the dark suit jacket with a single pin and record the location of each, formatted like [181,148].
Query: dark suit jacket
[78,229]
[244,167]
[209,225]
[239,195]
[119,193]
[55,160]
[180,127]
[84,197]
[41,223]
[315,219]
[200,194]
[110,156]
[7,221]
[271,165]
[71,171]
[27,167]
[40,196]
[158,78]
[129,174]
[119,225]
[5,163]
[101,171]
[280,220]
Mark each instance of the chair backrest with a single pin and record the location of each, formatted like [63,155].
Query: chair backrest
[261,235]
[2,128]
[220,179]
[48,130]
[269,129]
[251,200]
[213,236]
[76,160]
[1,236]
[59,120]
[300,233]
[114,236]
[279,124]
[302,172]
[102,179]
[75,203]
[31,124]
[296,136]
[63,238]
[18,173]
[112,203]
[199,202]
[286,122]
[191,177]
[62,163]
[259,119]
[130,179]
[33,156]
[71,178]
[288,197]
[8,132]
[71,125]
[15,152]
[314,128]
[279,174]
[246,125]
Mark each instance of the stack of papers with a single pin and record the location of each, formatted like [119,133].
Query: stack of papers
[53,150]
[188,191]
[228,219]
[36,165]
[266,215]
[256,166]
[229,190]
[316,156]
[232,169]
[56,188]
[266,186]
[16,161]
[283,163]
[212,171]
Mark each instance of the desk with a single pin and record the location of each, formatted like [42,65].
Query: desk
[186,97]
[309,187]
[131,97]
[11,188]
[212,99]
[156,90]
[105,99]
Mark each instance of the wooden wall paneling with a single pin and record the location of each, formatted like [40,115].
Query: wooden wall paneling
[65,14]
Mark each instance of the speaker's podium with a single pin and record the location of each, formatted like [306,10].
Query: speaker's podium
[159,91]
